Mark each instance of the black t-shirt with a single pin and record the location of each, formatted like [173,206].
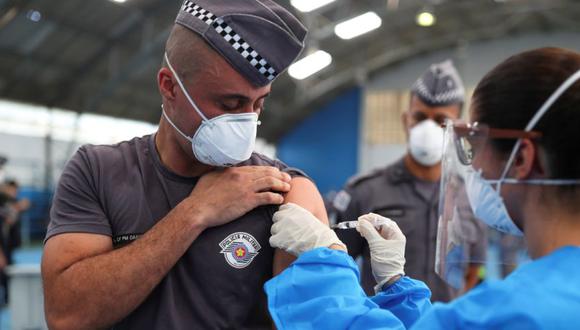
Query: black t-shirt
[122,191]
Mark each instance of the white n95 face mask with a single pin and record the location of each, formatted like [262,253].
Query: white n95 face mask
[222,141]
[426,142]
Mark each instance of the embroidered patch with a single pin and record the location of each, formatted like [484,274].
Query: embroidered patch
[239,249]
[341,201]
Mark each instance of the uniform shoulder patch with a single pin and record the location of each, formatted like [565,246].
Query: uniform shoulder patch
[240,249]
[341,201]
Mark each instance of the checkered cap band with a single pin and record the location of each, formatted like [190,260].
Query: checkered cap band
[440,85]
[443,97]
[234,39]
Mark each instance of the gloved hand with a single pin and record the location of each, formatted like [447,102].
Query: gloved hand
[387,248]
[296,230]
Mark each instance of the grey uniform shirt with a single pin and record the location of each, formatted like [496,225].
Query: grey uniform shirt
[123,190]
[395,193]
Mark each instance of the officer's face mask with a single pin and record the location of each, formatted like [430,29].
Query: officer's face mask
[221,141]
[426,142]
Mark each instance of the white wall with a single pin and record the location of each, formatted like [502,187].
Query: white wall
[473,61]
[26,156]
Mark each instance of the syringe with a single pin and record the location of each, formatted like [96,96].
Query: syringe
[377,222]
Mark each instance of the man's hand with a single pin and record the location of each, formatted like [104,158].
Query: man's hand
[387,248]
[296,231]
[3,260]
[224,195]
[22,205]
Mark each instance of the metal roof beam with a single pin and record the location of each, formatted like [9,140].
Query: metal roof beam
[128,69]
[120,31]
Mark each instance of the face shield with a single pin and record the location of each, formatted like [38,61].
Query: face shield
[471,209]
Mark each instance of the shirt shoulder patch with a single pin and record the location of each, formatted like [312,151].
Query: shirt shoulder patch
[341,201]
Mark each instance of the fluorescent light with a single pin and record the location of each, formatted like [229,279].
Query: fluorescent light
[119,1]
[425,18]
[34,15]
[309,65]
[306,6]
[357,26]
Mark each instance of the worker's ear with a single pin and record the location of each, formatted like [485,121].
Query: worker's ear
[166,84]
[528,164]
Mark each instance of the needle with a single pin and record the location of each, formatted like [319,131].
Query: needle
[354,224]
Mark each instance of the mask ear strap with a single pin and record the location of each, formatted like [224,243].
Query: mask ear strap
[174,126]
[183,88]
[508,165]
[537,117]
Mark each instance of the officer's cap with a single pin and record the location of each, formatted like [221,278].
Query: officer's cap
[440,85]
[259,38]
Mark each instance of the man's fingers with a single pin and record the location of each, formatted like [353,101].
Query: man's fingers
[271,184]
[286,176]
[258,172]
[268,198]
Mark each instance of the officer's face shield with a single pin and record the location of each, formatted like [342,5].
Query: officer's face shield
[462,238]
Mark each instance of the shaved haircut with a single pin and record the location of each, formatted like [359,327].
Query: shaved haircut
[188,53]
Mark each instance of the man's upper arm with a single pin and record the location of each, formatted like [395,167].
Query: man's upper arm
[305,194]
[78,227]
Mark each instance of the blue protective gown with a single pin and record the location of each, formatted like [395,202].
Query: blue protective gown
[321,290]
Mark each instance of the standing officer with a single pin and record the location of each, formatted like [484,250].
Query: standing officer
[170,230]
[408,190]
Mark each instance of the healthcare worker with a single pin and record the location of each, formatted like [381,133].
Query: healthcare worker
[518,165]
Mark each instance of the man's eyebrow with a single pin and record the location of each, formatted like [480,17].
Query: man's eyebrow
[235,96]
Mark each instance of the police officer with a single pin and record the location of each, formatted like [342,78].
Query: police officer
[171,230]
[408,190]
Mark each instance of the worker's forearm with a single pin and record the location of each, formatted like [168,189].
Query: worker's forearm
[99,291]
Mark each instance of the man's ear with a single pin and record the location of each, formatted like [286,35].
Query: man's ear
[405,122]
[527,164]
[166,84]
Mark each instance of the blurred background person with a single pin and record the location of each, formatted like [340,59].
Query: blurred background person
[11,208]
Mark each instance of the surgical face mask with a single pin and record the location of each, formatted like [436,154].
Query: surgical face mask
[426,142]
[222,141]
[486,202]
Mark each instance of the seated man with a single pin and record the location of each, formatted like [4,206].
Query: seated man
[161,232]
